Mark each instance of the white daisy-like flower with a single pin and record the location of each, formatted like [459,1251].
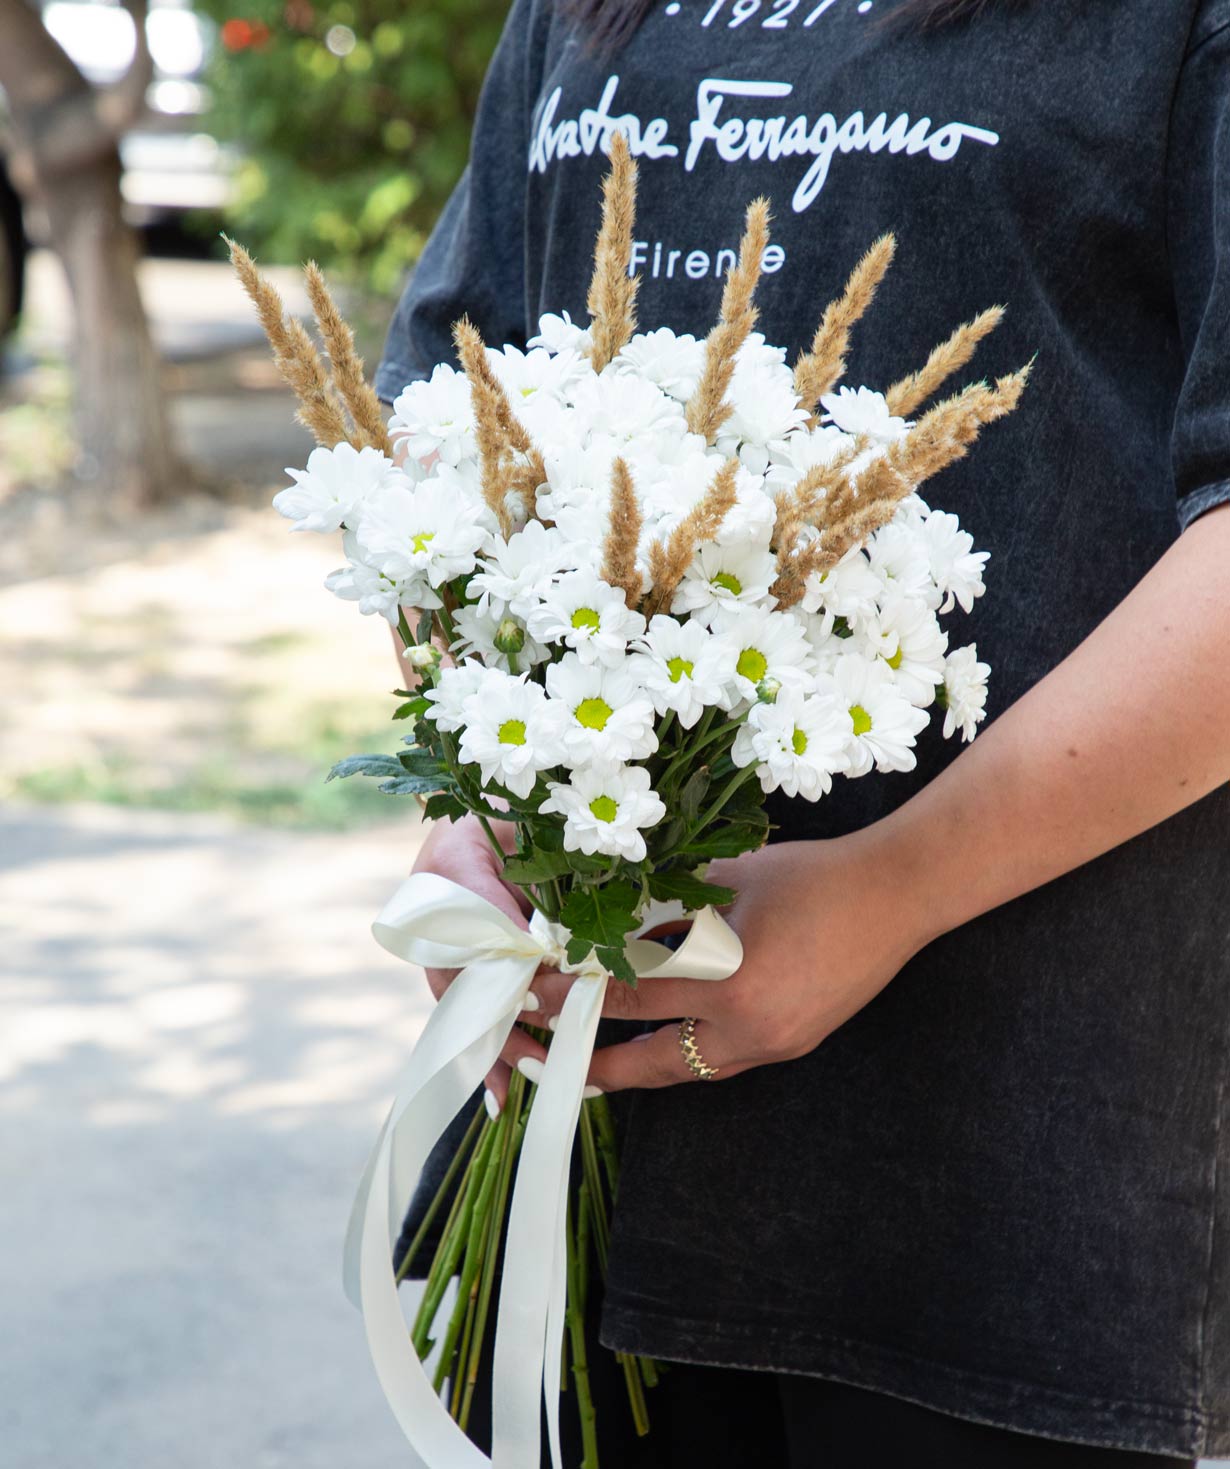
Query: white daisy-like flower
[512,572]
[606,808]
[428,534]
[436,416]
[559,334]
[798,743]
[907,635]
[497,637]
[766,411]
[804,449]
[335,486]
[674,362]
[508,732]
[850,590]
[372,589]
[454,686]
[752,517]
[625,407]
[965,692]
[602,713]
[757,643]
[899,557]
[883,724]
[956,568]
[528,376]
[862,412]
[725,576]
[589,616]
[679,666]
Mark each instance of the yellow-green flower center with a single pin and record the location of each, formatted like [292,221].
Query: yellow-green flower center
[512,732]
[799,742]
[752,664]
[678,668]
[729,582]
[419,542]
[895,660]
[593,713]
[586,617]
[862,720]
[604,808]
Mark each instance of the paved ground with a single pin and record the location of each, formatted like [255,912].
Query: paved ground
[197,1038]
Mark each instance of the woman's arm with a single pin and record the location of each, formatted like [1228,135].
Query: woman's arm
[1130,728]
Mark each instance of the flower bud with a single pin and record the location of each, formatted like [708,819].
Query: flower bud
[422,656]
[509,637]
[768,689]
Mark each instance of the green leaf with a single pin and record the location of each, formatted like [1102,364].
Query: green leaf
[600,918]
[541,866]
[444,805]
[693,793]
[384,765]
[414,785]
[415,709]
[727,840]
[422,633]
[420,761]
[689,890]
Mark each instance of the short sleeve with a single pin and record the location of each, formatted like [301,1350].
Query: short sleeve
[474,260]
[1198,230]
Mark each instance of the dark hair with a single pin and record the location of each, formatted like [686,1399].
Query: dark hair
[612,22]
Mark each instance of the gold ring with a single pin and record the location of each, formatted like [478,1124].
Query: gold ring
[697,1064]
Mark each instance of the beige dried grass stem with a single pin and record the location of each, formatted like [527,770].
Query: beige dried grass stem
[348,377]
[612,291]
[949,357]
[490,410]
[294,354]
[817,370]
[667,563]
[945,432]
[623,537]
[707,409]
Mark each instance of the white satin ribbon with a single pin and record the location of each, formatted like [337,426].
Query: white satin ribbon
[436,923]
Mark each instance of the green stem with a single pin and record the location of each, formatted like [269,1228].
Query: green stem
[580,1358]
[442,1192]
[728,790]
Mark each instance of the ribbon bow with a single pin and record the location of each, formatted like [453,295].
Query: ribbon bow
[436,923]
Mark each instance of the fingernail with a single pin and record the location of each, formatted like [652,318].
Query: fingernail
[591,1092]
[531,1001]
[491,1102]
[552,1022]
[531,1069]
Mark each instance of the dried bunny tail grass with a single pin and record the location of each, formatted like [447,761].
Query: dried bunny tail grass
[816,371]
[667,563]
[623,537]
[707,409]
[949,357]
[490,405]
[347,366]
[612,291]
[807,498]
[294,354]
[945,432]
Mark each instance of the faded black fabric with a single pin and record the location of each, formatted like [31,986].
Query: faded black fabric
[998,1191]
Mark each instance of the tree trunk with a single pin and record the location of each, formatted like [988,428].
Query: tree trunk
[67,157]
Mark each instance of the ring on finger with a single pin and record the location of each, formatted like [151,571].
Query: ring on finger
[697,1064]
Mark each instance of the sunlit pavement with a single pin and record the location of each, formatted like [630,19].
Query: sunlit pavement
[197,1039]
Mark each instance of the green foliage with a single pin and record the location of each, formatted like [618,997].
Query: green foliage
[601,918]
[353,121]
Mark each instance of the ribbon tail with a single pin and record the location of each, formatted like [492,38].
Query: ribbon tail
[530,1324]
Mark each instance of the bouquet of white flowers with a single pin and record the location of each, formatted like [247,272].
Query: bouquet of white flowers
[643,580]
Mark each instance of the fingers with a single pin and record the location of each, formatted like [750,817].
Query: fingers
[652,999]
[655,1060]
[520,1046]
[496,1093]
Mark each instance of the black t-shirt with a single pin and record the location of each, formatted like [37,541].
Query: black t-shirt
[1001,1190]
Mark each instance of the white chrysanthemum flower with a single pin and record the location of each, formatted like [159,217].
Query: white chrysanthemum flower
[850,590]
[589,616]
[508,732]
[335,486]
[725,577]
[757,643]
[906,634]
[372,589]
[965,692]
[673,362]
[512,572]
[899,557]
[753,515]
[864,413]
[527,376]
[454,686]
[798,743]
[603,713]
[883,724]
[497,637]
[680,668]
[766,412]
[428,534]
[624,407]
[956,568]
[802,450]
[436,416]
[605,809]
[560,334]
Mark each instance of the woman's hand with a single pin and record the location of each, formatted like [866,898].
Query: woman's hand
[460,851]
[824,928]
